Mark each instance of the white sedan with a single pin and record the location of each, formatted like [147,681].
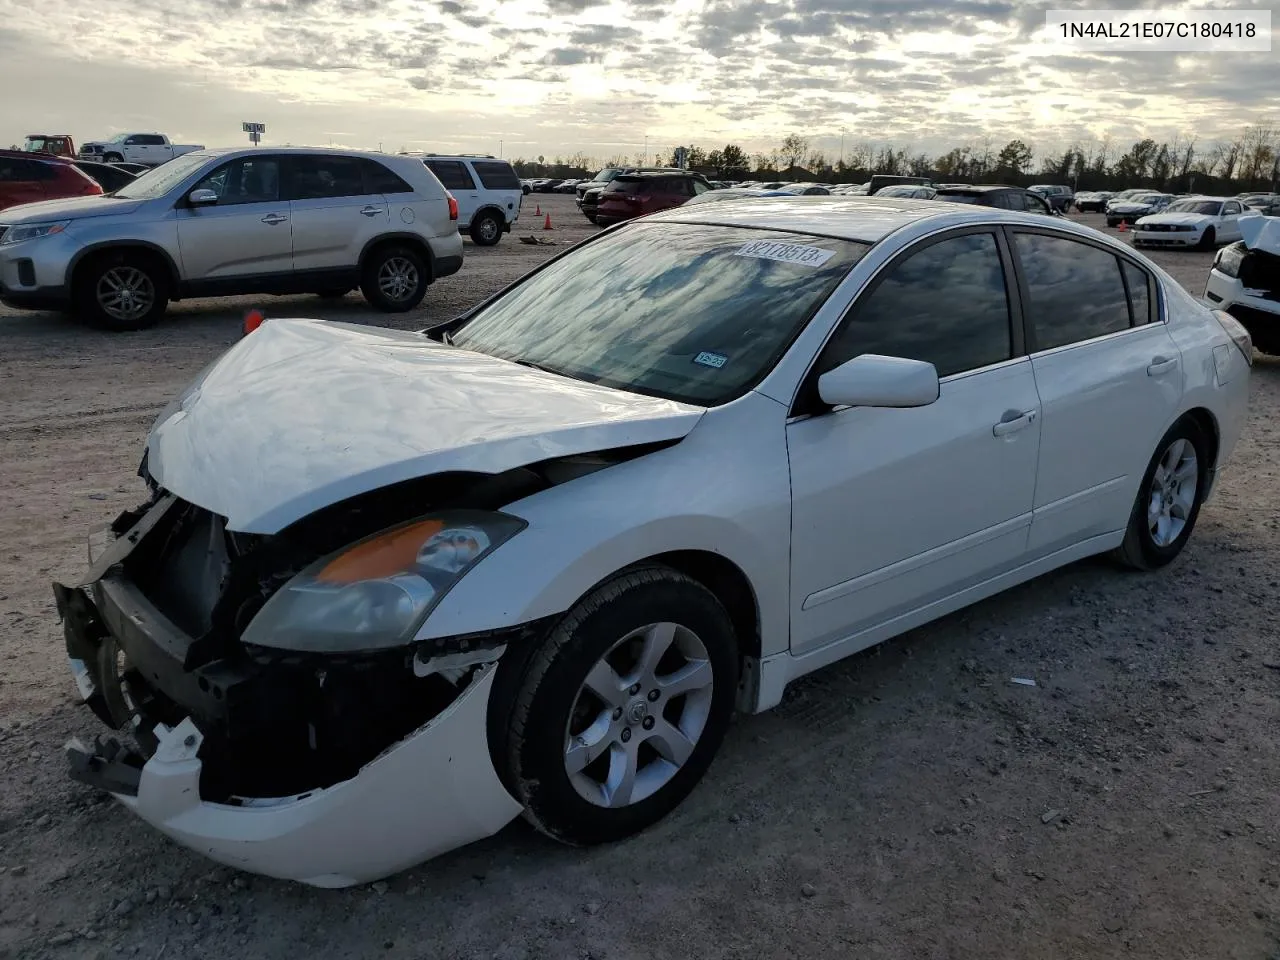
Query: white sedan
[1202,222]
[394,589]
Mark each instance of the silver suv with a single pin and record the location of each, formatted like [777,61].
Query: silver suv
[227,222]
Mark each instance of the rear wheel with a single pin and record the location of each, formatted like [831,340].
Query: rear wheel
[122,291]
[1169,499]
[619,714]
[394,278]
[486,229]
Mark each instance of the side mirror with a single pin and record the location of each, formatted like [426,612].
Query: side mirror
[201,198]
[875,381]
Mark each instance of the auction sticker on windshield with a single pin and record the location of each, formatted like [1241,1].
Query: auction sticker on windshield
[798,253]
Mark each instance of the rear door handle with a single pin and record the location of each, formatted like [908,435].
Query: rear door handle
[1161,365]
[1013,421]
[274,218]
[371,211]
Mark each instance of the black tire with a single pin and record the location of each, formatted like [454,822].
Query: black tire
[113,158]
[531,741]
[145,275]
[1140,550]
[486,229]
[397,259]
[1208,239]
[334,294]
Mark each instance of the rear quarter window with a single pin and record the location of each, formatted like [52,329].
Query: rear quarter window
[378,179]
[496,175]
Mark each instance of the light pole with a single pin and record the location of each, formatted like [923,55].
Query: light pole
[499,149]
[842,148]
[645,161]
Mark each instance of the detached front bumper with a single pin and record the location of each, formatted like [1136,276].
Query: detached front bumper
[425,792]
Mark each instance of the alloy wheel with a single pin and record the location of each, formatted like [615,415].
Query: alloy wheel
[638,715]
[1172,494]
[397,278]
[125,293]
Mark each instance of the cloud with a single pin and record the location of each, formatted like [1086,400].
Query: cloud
[569,56]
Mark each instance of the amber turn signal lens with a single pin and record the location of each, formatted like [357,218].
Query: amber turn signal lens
[384,556]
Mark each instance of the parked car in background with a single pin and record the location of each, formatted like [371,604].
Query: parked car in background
[1202,222]
[588,191]
[530,562]
[1267,204]
[1092,201]
[805,190]
[109,176]
[568,186]
[1129,210]
[137,169]
[733,193]
[54,144]
[488,192]
[631,195]
[995,195]
[32,178]
[226,222]
[545,185]
[151,149]
[882,180]
[1057,195]
[907,191]
[1245,280]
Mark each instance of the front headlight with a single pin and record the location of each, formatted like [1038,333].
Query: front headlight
[32,231]
[375,594]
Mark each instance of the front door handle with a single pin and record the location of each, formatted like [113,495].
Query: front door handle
[1161,365]
[371,211]
[1012,421]
[274,218]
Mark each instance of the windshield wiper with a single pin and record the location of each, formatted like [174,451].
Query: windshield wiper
[534,365]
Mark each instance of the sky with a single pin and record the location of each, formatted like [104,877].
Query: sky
[523,78]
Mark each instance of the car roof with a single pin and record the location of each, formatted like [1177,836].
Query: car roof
[31,155]
[865,219]
[329,151]
[978,188]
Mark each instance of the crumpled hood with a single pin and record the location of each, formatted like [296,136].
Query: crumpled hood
[68,208]
[1261,233]
[301,414]
[1178,219]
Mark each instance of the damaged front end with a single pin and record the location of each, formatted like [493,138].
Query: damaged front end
[277,750]
[1248,285]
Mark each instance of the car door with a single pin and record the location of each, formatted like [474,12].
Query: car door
[246,234]
[21,181]
[333,212]
[1229,230]
[458,181]
[893,509]
[1109,378]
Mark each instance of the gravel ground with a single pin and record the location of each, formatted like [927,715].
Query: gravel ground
[908,803]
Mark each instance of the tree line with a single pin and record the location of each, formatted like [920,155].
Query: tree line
[1251,161]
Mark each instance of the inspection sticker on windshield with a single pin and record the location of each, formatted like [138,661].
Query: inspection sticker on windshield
[708,359]
[798,253]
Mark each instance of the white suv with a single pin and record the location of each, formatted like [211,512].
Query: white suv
[488,191]
[227,222]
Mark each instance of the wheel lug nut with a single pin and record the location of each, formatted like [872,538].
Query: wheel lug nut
[648,723]
[626,734]
[635,688]
[653,695]
[617,714]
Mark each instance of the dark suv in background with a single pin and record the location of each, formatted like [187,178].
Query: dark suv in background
[996,195]
[1058,196]
[630,195]
[588,191]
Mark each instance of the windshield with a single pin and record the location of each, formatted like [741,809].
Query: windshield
[689,312]
[1210,208]
[119,138]
[159,181]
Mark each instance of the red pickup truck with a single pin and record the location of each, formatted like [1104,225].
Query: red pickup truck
[54,144]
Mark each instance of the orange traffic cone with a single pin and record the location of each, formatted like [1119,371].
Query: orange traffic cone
[1124,227]
[538,212]
[547,224]
[253,319]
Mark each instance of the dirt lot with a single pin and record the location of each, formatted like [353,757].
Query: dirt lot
[910,803]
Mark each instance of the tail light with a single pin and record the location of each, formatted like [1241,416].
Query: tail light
[1238,334]
[453,206]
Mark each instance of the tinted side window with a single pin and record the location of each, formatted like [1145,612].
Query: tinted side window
[320,177]
[151,140]
[1075,290]
[14,170]
[248,180]
[1014,200]
[1139,284]
[496,175]
[946,304]
[452,173]
[378,179]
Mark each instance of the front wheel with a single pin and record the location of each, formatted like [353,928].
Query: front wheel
[1169,499]
[1208,239]
[394,279]
[122,291]
[113,158]
[619,714]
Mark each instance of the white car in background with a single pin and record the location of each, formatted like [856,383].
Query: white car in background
[150,149]
[1202,222]
[563,536]
[488,191]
